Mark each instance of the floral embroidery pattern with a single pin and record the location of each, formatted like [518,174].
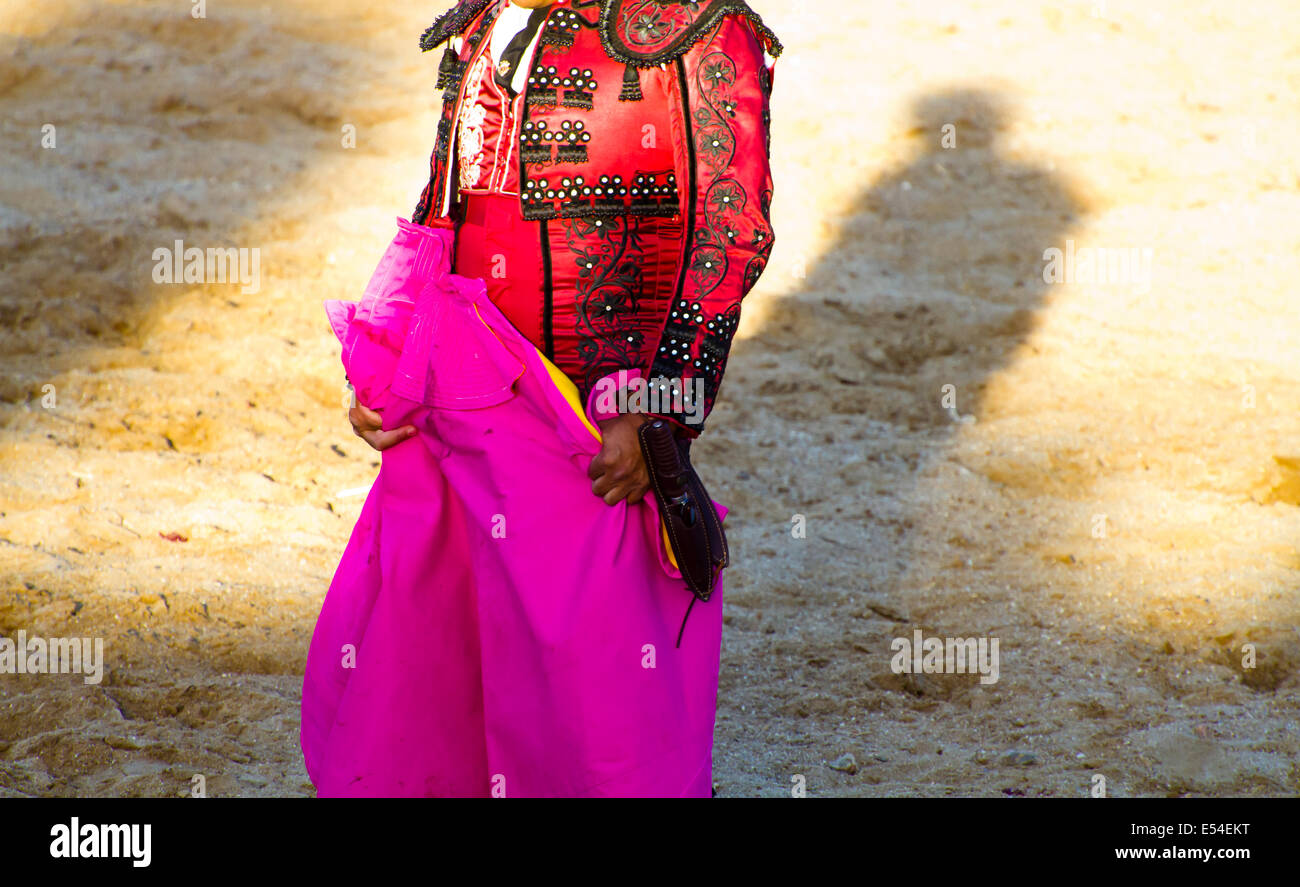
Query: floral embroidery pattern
[609,254]
[647,33]
[762,242]
[697,338]
[715,147]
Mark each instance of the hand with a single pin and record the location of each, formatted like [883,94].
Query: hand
[368,425]
[618,471]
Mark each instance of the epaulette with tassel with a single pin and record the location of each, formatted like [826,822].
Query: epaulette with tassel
[453,21]
[450,70]
[649,33]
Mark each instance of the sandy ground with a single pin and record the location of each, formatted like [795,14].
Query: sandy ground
[1114,494]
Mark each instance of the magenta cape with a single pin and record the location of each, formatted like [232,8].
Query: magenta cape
[493,627]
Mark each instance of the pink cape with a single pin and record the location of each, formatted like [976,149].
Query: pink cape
[494,628]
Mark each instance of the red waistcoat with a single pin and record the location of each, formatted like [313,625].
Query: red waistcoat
[641,155]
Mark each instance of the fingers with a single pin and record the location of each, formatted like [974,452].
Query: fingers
[610,490]
[364,419]
[614,488]
[618,470]
[368,425]
[606,474]
[620,494]
[382,440]
[603,483]
[631,492]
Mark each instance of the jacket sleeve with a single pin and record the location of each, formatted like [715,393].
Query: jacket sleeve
[724,149]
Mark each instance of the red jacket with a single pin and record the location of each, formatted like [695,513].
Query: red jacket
[636,110]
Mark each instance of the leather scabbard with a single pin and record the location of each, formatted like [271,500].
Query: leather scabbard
[694,530]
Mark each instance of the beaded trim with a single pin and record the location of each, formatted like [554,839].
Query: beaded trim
[453,21]
[650,194]
[667,45]
[667,40]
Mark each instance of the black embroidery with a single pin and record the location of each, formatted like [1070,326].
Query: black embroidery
[583,100]
[536,155]
[450,70]
[692,343]
[672,29]
[537,137]
[453,21]
[610,256]
[442,146]
[674,345]
[543,85]
[762,242]
[560,39]
[675,359]
[715,147]
[649,194]
[545,143]
[424,206]
[631,91]
[714,347]
[579,89]
[571,153]
[562,27]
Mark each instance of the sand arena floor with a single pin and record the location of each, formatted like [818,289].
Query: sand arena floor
[1113,494]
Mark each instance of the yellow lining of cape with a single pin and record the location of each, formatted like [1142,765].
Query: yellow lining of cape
[565,386]
[570,391]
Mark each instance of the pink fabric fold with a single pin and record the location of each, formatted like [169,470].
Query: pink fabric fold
[493,627]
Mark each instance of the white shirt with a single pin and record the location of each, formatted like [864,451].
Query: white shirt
[510,22]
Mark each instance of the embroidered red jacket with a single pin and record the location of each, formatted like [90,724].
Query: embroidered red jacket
[653,115]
